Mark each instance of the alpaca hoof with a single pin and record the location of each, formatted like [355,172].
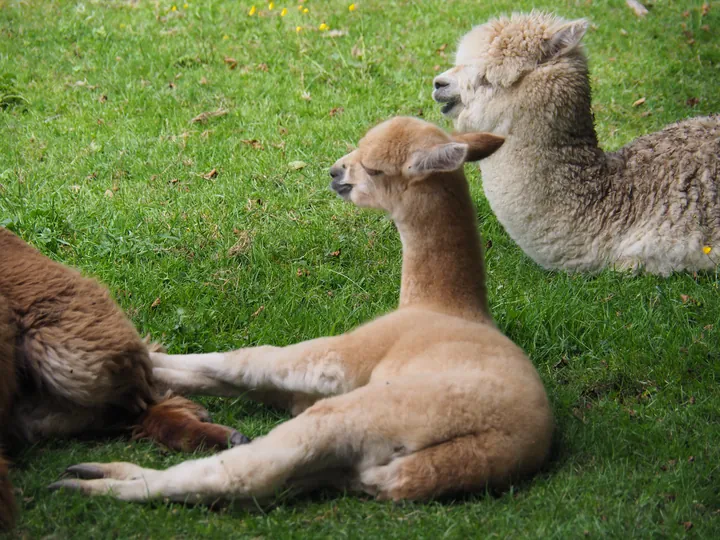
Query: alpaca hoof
[237,438]
[86,472]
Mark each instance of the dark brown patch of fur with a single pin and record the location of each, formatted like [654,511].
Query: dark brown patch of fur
[7,391]
[181,425]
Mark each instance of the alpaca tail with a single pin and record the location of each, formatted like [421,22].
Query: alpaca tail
[183,425]
[7,501]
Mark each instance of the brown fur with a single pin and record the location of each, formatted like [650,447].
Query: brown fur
[425,401]
[7,391]
[71,363]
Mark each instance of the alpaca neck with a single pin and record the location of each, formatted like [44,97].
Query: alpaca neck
[442,259]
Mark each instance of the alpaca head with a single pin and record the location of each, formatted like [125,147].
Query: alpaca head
[399,154]
[511,66]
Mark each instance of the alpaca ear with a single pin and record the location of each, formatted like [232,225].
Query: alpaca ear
[440,158]
[567,38]
[480,145]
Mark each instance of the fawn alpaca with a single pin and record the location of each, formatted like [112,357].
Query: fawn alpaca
[427,400]
[71,363]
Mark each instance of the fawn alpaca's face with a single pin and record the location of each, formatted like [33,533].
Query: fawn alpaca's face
[398,154]
[507,67]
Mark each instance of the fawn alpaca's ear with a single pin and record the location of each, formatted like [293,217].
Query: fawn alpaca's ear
[566,38]
[440,158]
[479,145]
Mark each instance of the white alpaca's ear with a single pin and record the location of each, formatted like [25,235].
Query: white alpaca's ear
[440,158]
[566,38]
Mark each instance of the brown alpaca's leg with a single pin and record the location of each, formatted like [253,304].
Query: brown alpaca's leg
[180,424]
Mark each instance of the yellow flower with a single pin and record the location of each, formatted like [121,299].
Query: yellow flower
[252,11]
[186,5]
[271,6]
[352,7]
[226,36]
[298,28]
[306,10]
[122,26]
[174,8]
[283,12]
[707,250]
[323,27]
[300,7]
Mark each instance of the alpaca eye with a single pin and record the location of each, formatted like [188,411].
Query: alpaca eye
[371,172]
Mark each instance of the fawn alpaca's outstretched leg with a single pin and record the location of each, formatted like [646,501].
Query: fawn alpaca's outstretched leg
[368,428]
[322,367]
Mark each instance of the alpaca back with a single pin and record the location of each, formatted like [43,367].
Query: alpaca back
[73,339]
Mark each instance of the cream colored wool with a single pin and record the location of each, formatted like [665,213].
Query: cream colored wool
[653,205]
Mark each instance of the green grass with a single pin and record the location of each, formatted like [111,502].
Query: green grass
[96,99]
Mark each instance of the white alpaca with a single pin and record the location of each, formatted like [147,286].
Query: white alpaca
[652,205]
[428,400]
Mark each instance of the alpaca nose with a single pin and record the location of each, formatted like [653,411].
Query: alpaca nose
[440,83]
[336,173]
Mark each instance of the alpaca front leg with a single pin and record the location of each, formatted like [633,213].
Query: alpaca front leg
[320,367]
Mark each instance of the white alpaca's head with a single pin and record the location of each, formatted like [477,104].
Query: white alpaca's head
[511,67]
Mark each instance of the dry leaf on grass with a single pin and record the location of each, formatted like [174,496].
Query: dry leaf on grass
[205,116]
[231,62]
[639,102]
[155,303]
[637,8]
[254,143]
[212,174]
[258,311]
[297,165]
[241,245]
[336,110]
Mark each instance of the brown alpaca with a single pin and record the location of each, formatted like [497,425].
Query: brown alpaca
[71,363]
[428,400]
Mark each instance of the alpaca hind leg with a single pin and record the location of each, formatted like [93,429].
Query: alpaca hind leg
[463,464]
[360,430]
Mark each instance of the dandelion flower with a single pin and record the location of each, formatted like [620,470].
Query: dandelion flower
[271,6]
[707,250]
[323,27]
[186,5]
[306,10]
[298,28]
[174,8]
[352,7]
[283,12]
[252,11]
[226,36]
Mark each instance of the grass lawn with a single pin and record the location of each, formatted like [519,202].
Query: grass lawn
[213,236]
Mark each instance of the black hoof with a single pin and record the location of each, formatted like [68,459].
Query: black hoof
[237,438]
[86,472]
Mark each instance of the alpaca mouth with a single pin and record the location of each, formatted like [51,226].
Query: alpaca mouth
[449,106]
[448,102]
[341,188]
